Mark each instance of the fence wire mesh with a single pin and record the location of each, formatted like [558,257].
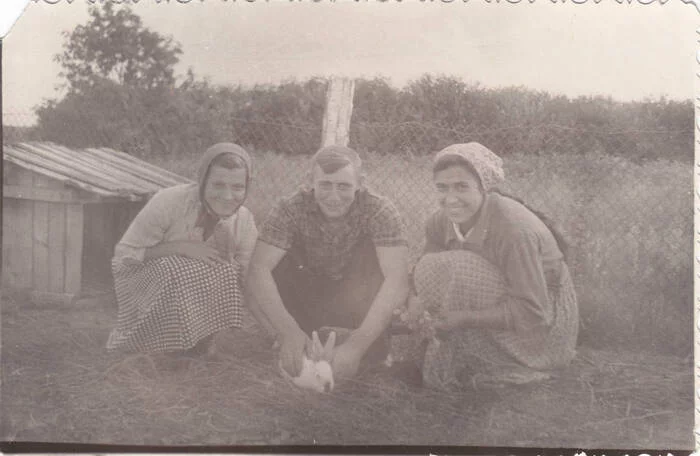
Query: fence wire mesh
[625,208]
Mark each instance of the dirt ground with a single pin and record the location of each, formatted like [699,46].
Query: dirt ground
[60,385]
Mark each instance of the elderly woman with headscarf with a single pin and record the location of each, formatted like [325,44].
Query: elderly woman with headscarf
[492,285]
[179,267]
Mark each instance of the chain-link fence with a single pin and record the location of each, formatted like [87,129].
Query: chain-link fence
[629,224]
[625,209]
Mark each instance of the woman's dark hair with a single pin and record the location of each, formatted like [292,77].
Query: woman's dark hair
[550,223]
[449,161]
[228,161]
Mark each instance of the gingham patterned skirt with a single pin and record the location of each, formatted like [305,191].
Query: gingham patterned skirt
[460,280]
[173,302]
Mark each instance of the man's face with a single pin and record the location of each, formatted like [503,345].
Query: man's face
[335,192]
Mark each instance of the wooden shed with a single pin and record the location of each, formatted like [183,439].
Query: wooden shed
[64,210]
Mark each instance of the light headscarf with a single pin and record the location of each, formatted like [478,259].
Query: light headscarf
[207,218]
[205,165]
[487,165]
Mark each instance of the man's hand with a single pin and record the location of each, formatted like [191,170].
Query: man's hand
[346,360]
[292,346]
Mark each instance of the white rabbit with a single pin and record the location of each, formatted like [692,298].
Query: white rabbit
[316,372]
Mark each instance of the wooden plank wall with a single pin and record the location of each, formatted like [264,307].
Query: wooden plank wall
[17,235]
[104,224]
[73,248]
[98,252]
[42,241]
[40,229]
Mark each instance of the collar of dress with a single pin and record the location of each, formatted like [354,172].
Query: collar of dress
[476,235]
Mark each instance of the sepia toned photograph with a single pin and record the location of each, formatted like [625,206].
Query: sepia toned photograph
[279,224]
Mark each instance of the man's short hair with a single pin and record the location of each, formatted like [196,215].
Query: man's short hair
[333,158]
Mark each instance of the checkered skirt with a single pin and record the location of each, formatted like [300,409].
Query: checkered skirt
[460,280]
[173,302]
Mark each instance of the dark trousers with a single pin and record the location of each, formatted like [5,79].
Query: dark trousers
[316,300]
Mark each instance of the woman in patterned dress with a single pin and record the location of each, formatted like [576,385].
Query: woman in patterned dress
[178,269]
[492,285]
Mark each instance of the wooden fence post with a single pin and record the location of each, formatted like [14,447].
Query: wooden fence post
[336,119]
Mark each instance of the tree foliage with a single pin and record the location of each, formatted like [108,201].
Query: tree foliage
[121,86]
[115,45]
[434,111]
[123,94]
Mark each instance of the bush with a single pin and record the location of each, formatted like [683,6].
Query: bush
[425,116]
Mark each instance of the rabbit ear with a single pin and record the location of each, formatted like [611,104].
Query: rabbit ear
[309,349]
[316,347]
[330,345]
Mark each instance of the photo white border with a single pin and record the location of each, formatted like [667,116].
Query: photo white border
[10,11]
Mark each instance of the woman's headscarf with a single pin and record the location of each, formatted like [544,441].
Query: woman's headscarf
[488,166]
[208,218]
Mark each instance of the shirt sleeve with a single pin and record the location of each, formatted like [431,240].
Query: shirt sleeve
[146,230]
[278,228]
[526,303]
[387,227]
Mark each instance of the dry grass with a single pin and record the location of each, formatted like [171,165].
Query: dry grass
[60,385]
[632,269]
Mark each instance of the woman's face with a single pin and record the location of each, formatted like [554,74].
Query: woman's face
[224,190]
[459,193]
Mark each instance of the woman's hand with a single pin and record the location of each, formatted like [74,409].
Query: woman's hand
[449,320]
[417,318]
[191,249]
[200,251]
[413,313]
[292,346]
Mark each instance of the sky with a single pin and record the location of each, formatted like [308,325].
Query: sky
[626,51]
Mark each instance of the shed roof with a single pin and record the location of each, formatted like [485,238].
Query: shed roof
[104,172]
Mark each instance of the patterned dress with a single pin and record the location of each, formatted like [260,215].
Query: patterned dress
[508,259]
[171,303]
